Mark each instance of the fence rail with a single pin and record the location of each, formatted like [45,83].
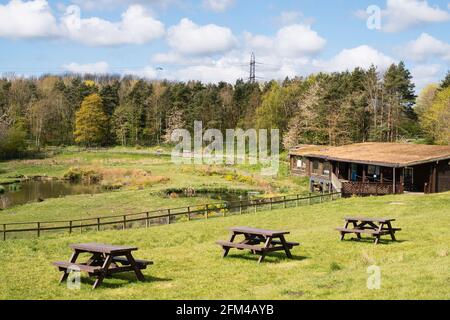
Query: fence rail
[158,217]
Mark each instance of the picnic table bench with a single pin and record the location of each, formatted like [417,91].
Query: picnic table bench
[376,227]
[272,240]
[105,260]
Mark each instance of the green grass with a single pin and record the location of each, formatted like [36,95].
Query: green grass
[188,265]
[127,201]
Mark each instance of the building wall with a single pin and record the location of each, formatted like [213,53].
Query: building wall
[443,176]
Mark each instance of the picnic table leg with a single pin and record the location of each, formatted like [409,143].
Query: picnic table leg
[391,231]
[73,259]
[263,252]
[286,247]
[355,226]
[227,249]
[343,233]
[102,275]
[137,271]
[377,237]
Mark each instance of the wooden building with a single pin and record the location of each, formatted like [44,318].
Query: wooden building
[374,168]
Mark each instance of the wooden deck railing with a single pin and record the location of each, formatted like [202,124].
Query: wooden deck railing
[370,188]
[158,217]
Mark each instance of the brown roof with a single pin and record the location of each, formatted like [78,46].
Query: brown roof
[385,154]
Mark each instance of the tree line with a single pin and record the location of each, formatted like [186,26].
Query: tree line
[325,108]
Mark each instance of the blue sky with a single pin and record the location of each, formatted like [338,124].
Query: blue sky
[211,40]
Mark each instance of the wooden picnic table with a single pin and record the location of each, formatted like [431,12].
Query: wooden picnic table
[271,240]
[376,227]
[106,259]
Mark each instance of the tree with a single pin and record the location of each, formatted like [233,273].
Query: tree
[90,121]
[174,121]
[435,120]
[446,82]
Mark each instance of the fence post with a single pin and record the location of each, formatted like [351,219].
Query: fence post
[4,232]
[206,211]
[70,226]
[38,229]
[320,198]
[168,216]
[98,224]
[271,204]
[124,222]
[189,213]
[256,207]
[296,202]
[224,213]
[146,220]
[284,202]
[309,199]
[240,206]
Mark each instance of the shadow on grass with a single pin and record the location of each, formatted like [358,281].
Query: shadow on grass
[270,258]
[125,279]
[372,241]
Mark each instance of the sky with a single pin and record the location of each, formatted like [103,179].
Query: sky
[211,40]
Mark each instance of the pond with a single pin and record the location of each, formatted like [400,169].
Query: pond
[39,190]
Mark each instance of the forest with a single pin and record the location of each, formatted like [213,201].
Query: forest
[332,109]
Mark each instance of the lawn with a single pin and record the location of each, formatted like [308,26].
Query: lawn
[188,265]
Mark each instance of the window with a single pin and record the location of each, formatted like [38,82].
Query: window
[315,167]
[373,171]
[326,168]
[301,164]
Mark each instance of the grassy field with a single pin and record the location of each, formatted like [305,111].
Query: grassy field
[188,265]
[133,199]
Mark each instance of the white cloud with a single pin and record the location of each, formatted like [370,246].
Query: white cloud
[212,73]
[91,68]
[348,59]
[293,41]
[136,27]
[425,74]
[191,39]
[425,47]
[400,15]
[287,18]
[29,19]
[218,5]
[112,4]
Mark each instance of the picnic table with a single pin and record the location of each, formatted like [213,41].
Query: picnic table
[106,259]
[375,227]
[258,241]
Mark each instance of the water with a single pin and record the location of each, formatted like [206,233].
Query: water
[39,190]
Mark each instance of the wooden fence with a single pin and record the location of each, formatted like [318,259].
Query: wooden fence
[158,217]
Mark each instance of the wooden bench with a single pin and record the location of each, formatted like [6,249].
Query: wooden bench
[141,264]
[258,241]
[376,227]
[106,260]
[66,266]
[240,246]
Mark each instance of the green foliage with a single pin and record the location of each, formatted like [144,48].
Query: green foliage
[12,141]
[91,121]
[446,82]
[435,116]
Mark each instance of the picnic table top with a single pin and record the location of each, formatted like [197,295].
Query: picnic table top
[256,231]
[101,248]
[365,219]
